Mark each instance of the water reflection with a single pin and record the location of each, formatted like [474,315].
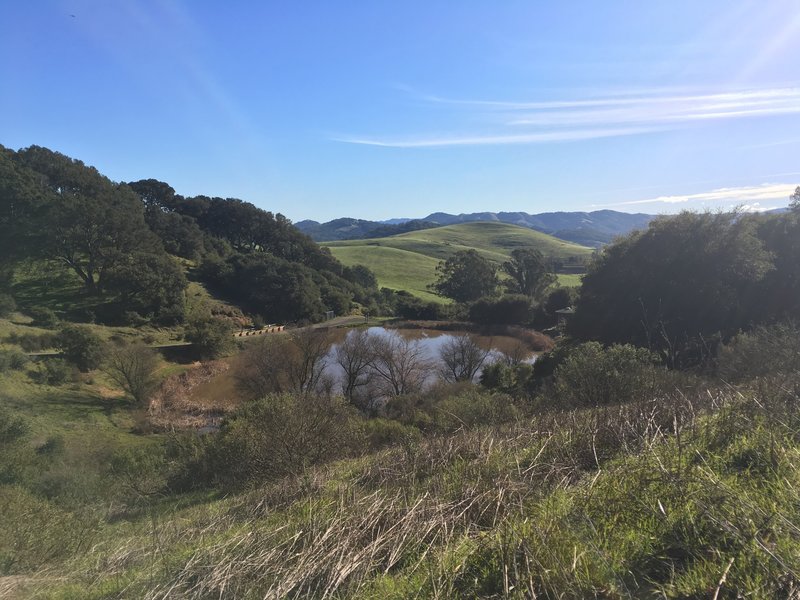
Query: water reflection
[428,345]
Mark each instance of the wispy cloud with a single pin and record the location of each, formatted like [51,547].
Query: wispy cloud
[596,117]
[669,109]
[746,196]
[486,140]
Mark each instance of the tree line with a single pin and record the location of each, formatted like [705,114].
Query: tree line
[122,239]
[692,281]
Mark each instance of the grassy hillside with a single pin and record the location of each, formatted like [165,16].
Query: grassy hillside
[408,261]
[700,503]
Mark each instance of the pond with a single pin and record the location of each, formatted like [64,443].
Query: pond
[427,346]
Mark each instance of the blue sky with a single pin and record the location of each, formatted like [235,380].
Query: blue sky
[399,109]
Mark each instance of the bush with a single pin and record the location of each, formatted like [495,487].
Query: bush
[210,337]
[54,371]
[279,435]
[768,350]
[411,307]
[448,407]
[133,368]
[43,317]
[512,309]
[591,375]
[7,305]
[474,408]
[12,360]
[515,380]
[81,346]
[381,432]
[31,342]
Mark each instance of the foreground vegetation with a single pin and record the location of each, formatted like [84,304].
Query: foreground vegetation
[608,478]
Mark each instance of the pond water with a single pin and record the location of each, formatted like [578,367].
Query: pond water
[429,344]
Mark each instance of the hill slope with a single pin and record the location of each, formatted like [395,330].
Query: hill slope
[408,261]
[592,229]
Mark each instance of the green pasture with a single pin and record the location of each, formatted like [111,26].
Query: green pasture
[408,261]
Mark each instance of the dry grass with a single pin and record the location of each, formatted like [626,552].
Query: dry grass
[195,398]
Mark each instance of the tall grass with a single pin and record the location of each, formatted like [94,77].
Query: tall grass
[679,496]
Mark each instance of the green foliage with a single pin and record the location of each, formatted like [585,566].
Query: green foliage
[149,284]
[413,308]
[380,433]
[473,408]
[514,309]
[210,336]
[514,380]
[90,222]
[142,471]
[81,346]
[53,371]
[7,305]
[32,342]
[408,261]
[14,456]
[283,434]
[12,360]
[591,375]
[528,271]
[465,277]
[766,350]
[34,531]
[673,287]
[278,290]
[777,295]
[43,316]
[556,299]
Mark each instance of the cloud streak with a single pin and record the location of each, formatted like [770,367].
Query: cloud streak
[490,140]
[593,118]
[747,196]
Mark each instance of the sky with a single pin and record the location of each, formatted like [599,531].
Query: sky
[382,109]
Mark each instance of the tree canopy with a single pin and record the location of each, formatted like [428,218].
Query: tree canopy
[675,286]
[529,273]
[465,277]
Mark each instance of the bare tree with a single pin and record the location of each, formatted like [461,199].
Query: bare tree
[399,363]
[355,355]
[306,360]
[461,358]
[285,363]
[133,367]
[261,369]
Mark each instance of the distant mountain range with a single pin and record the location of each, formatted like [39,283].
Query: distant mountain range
[586,228]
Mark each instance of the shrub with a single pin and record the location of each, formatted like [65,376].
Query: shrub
[12,360]
[7,305]
[43,317]
[279,435]
[133,368]
[211,337]
[764,351]
[54,371]
[380,432]
[513,379]
[508,310]
[591,375]
[411,307]
[81,346]
[134,319]
[473,408]
[31,342]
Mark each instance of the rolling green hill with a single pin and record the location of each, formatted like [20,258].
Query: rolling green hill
[408,261]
